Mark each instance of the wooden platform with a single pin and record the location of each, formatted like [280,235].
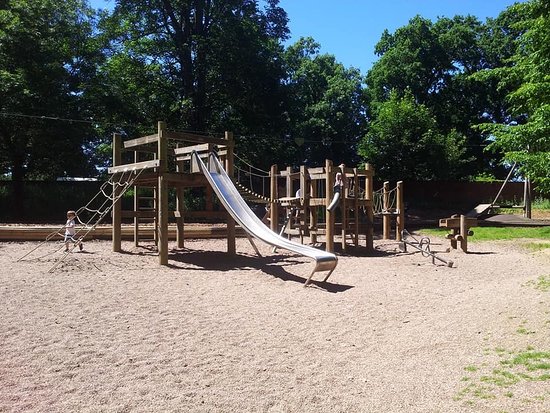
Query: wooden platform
[39,233]
[511,220]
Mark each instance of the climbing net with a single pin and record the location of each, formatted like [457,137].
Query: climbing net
[94,211]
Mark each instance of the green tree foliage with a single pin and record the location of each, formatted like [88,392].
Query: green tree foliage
[526,140]
[404,142]
[46,59]
[201,65]
[198,65]
[434,63]
[326,108]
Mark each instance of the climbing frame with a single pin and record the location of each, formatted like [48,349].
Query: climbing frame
[169,166]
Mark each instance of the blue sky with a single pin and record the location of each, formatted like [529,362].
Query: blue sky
[349,29]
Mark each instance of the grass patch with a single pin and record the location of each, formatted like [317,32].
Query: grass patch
[531,361]
[542,283]
[541,203]
[525,366]
[537,246]
[499,233]
[538,203]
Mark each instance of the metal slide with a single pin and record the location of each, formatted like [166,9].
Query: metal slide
[245,217]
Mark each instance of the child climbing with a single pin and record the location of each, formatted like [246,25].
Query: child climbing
[339,184]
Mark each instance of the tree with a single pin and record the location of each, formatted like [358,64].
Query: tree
[434,62]
[211,62]
[46,56]
[403,142]
[326,112]
[526,139]
[44,61]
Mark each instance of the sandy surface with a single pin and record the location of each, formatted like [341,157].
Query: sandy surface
[390,332]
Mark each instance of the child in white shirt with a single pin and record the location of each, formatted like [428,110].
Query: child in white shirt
[70,231]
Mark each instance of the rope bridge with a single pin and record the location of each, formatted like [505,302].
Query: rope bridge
[385,201]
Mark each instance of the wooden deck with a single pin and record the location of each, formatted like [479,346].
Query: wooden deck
[511,220]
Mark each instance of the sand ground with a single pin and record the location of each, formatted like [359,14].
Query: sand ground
[389,332]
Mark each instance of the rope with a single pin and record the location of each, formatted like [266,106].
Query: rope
[263,198]
[249,165]
[124,181]
[99,214]
[381,207]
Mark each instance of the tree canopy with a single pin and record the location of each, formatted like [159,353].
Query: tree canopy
[433,63]
[212,65]
[525,139]
[46,60]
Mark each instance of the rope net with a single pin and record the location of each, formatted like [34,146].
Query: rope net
[385,202]
[93,212]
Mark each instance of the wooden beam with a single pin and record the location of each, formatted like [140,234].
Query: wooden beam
[288,173]
[162,205]
[144,140]
[36,233]
[155,163]
[117,205]
[204,147]
[329,192]
[400,224]
[231,225]
[190,137]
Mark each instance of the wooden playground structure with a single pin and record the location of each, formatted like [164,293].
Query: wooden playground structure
[308,196]
[159,168]
[459,225]
[163,162]
[168,166]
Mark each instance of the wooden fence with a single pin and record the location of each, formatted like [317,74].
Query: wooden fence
[48,201]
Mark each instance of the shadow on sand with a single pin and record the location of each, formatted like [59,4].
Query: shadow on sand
[274,265]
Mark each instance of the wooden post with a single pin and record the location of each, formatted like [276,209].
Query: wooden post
[156,207]
[312,211]
[162,195]
[288,184]
[386,218]
[229,166]
[369,188]
[304,218]
[527,198]
[136,206]
[117,206]
[356,207]
[400,225]
[180,209]
[329,191]
[344,207]
[274,194]
[463,233]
